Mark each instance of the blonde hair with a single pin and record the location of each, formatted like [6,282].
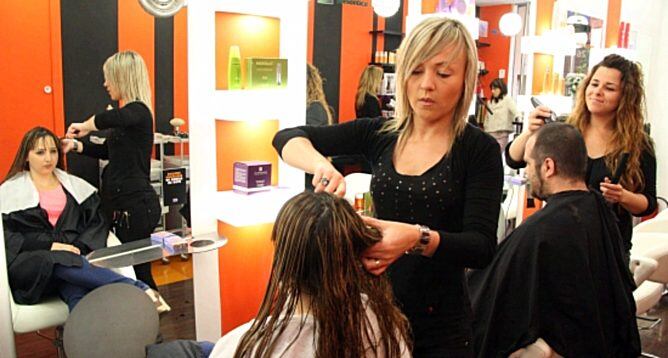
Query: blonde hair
[628,134]
[315,92]
[424,42]
[369,83]
[127,73]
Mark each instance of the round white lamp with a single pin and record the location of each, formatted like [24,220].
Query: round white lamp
[385,8]
[510,24]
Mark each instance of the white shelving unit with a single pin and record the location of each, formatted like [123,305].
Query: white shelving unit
[207,105]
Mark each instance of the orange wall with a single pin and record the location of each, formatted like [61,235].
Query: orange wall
[356,22]
[612,23]
[136,32]
[181,66]
[542,62]
[244,140]
[31,60]
[496,56]
[244,266]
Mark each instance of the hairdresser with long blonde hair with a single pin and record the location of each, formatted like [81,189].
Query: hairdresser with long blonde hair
[436,183]
[367,104]
[128,201]
[318,112]
[609,112]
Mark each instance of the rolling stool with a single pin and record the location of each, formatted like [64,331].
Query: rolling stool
[117,320]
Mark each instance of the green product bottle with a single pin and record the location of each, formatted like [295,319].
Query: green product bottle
[234,68]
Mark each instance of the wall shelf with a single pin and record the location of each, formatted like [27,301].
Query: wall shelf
[241,210]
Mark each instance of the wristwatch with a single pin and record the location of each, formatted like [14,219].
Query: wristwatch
[422,242]
[76,144]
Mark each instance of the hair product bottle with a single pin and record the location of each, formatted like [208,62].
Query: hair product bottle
[234,68]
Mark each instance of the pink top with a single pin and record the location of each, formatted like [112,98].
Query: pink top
[53,201]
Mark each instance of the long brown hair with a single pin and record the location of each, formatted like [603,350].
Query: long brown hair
[628,134]
[318,241]
[30,140]
[370,81]
[315,92]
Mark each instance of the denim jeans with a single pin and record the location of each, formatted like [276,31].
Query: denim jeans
[75,282]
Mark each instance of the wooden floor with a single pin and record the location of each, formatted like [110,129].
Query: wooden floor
[180,323]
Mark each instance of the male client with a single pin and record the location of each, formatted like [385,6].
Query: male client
[558,284]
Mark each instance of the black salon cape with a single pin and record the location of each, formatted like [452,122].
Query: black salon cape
[29,235]
[559,276]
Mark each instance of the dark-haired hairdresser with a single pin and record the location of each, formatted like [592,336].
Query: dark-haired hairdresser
[559,285]
[50,220]
[499,124]
[436,183]
[609,112]
[320,301]
[128,200]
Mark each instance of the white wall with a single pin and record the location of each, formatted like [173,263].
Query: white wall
[648,18]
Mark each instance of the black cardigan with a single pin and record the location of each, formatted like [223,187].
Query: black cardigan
[128,149]
[460,197]
[370,108]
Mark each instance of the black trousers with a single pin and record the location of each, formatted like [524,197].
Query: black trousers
[134,216]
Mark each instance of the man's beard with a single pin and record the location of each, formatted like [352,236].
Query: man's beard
[538,189]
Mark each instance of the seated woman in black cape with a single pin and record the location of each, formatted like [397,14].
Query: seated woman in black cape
[50,220]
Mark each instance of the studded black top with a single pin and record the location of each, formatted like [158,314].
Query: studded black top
[459,197]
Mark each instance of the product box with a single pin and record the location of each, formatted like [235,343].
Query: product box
[169,241]
[252,176]
[266,72]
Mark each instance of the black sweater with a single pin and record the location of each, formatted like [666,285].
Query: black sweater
[596,173]
[370,108]
[128,149]
[459,197]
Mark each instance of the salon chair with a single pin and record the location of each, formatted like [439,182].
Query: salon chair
[19,318]
[653,245]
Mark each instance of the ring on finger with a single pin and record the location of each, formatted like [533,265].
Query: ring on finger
[324,181]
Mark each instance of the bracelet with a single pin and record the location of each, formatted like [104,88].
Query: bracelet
[423,241]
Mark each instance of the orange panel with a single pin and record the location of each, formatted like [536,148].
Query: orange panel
[429,6]
[57,69]
[244,266]
[380,39]
[403,16]
[256,36]
[26,58]
[240,141]
[356,21]
[542,62]
[612,23]
[544,10]
[309,39]
[136,29]
[528,211]
[181,69]
[496,56]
